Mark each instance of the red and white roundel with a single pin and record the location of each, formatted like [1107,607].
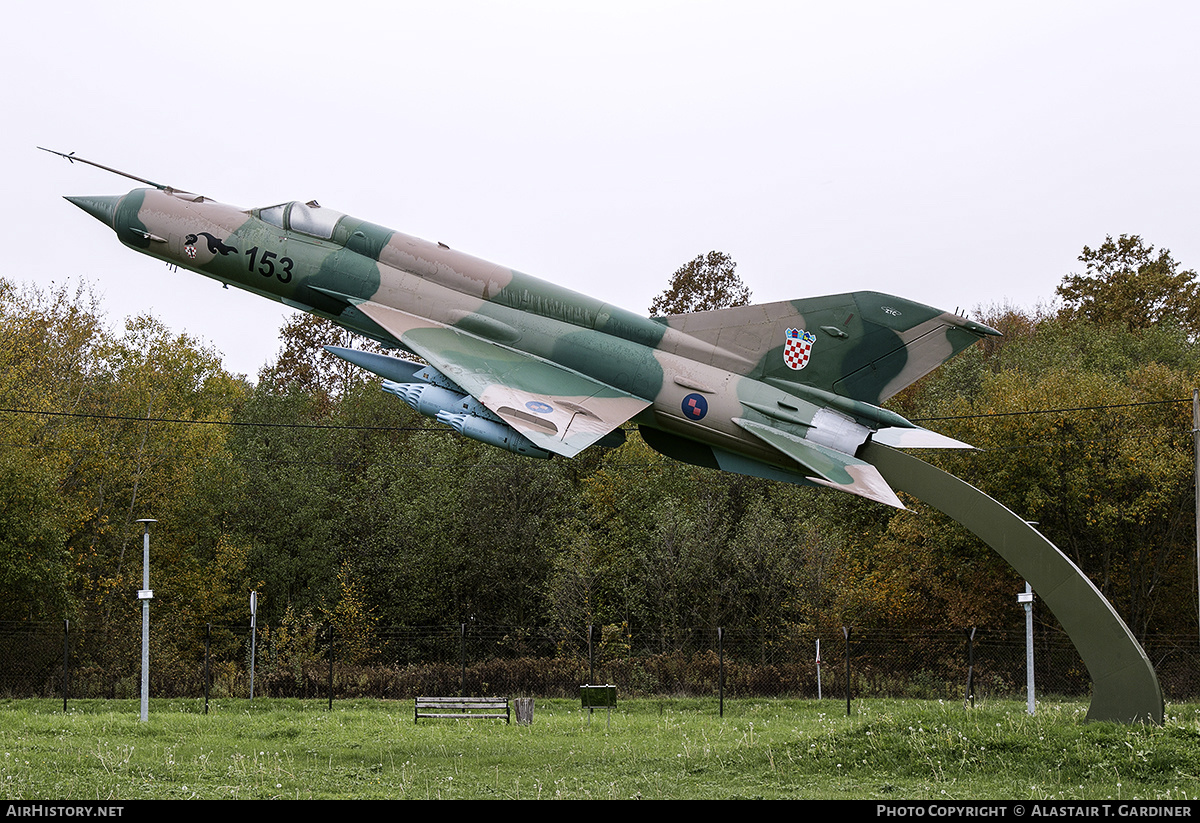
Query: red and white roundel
[797,348]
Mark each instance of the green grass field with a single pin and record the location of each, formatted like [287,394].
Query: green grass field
[888,750]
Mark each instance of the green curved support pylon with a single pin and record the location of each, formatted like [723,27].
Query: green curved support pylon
[1124,686]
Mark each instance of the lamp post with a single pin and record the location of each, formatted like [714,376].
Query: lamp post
[1026,598]
[253,636]
[1196,480]
[146,595]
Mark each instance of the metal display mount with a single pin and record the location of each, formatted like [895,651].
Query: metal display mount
[1125,688]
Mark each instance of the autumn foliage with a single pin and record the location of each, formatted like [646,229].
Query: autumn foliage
[339,504]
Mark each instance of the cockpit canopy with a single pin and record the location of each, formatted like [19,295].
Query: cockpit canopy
[308,218]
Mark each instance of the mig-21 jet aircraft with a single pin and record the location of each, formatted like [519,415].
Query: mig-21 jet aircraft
[789,391]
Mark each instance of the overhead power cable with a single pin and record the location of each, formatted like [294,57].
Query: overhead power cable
[133,419]
[182,420]
[1053,411]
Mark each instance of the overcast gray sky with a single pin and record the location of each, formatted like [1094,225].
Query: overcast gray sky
[960,154]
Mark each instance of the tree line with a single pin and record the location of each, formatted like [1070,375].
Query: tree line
[336,502]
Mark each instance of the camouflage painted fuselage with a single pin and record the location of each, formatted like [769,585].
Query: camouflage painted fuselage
[784,390]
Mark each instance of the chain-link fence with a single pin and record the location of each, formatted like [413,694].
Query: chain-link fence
[53,659]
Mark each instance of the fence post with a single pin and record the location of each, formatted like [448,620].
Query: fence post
[591,654]
[818,668]
[846,634]
[330,667]
[66,659]
[721,668]
[462,652]
[970,696]
[207,658]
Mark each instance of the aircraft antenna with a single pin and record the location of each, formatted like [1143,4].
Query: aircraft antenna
[71,158]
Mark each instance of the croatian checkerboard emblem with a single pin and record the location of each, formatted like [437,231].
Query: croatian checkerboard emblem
[797,348]
[695,407]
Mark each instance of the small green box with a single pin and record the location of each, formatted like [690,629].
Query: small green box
[598,697]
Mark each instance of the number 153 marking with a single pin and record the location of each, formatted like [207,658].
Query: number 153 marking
[267,267]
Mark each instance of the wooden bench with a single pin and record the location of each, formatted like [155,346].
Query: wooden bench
[463,708]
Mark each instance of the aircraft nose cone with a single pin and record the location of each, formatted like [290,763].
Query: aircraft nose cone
[102,208]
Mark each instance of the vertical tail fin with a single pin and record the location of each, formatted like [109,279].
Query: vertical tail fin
[865,346]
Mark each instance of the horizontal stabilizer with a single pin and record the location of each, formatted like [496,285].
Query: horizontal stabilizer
[828,467]
[916,438]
